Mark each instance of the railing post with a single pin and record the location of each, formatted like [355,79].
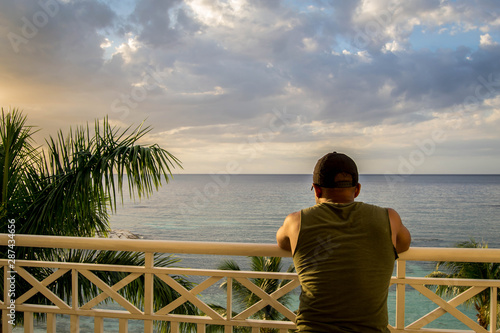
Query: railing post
[200,328]
[28,322]
[6,327]
[123,325]
[493,309]
[400,294]
[74,319]
[148,291]
[174,327]
[51,323]
[98,325]
[229,304]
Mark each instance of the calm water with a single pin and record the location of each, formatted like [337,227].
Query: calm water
[439,210]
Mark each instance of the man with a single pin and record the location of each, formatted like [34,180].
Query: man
[343,252]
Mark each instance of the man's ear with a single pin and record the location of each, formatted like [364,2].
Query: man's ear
[317,191]
[357,190]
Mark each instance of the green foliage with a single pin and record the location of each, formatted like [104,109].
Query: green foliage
[68,189]
[18,162]
[469,270]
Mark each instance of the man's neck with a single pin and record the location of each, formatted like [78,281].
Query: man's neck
[334,200]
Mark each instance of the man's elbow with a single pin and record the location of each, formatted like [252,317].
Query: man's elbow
[403,242]
[284,243]
[402,248]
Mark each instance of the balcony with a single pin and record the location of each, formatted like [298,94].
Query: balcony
[211,277]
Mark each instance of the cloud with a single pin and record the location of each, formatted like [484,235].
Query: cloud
[53,49]
[161,24]
[487,40]
[208,75]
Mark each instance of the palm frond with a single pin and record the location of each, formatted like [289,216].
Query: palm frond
[81,175]
[18,160]
[229,265]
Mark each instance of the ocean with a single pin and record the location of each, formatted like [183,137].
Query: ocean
[439,211]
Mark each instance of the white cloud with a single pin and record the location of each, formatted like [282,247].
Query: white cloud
[128,49]
[209,13]
[394,46]
[486,40]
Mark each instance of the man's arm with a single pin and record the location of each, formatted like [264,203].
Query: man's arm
[401,237]
[288,233]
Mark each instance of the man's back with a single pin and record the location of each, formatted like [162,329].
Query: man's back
[344,257]
[343,252]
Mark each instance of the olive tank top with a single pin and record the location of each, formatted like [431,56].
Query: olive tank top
[344,258]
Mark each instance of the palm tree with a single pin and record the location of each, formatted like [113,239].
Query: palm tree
[469,270]
[68,189]
[245,298]
[72,185]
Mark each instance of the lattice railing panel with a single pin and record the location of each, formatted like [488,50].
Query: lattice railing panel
[475,287]
[130,311]
[91,273]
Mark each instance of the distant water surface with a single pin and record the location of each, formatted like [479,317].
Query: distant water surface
[439,211]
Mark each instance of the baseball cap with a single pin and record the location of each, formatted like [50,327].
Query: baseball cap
[330,166]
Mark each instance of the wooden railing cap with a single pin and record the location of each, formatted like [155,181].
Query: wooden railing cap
[228,248]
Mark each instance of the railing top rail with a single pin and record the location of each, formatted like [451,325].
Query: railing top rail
[147,245]
[226,248]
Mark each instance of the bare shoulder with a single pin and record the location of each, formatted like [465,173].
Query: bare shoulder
[394,216]
[291,225]
[292,218]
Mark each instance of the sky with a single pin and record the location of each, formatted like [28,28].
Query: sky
[238,87]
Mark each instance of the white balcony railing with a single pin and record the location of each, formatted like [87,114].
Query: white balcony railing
[210,277]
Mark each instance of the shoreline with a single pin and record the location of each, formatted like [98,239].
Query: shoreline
[120,234]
